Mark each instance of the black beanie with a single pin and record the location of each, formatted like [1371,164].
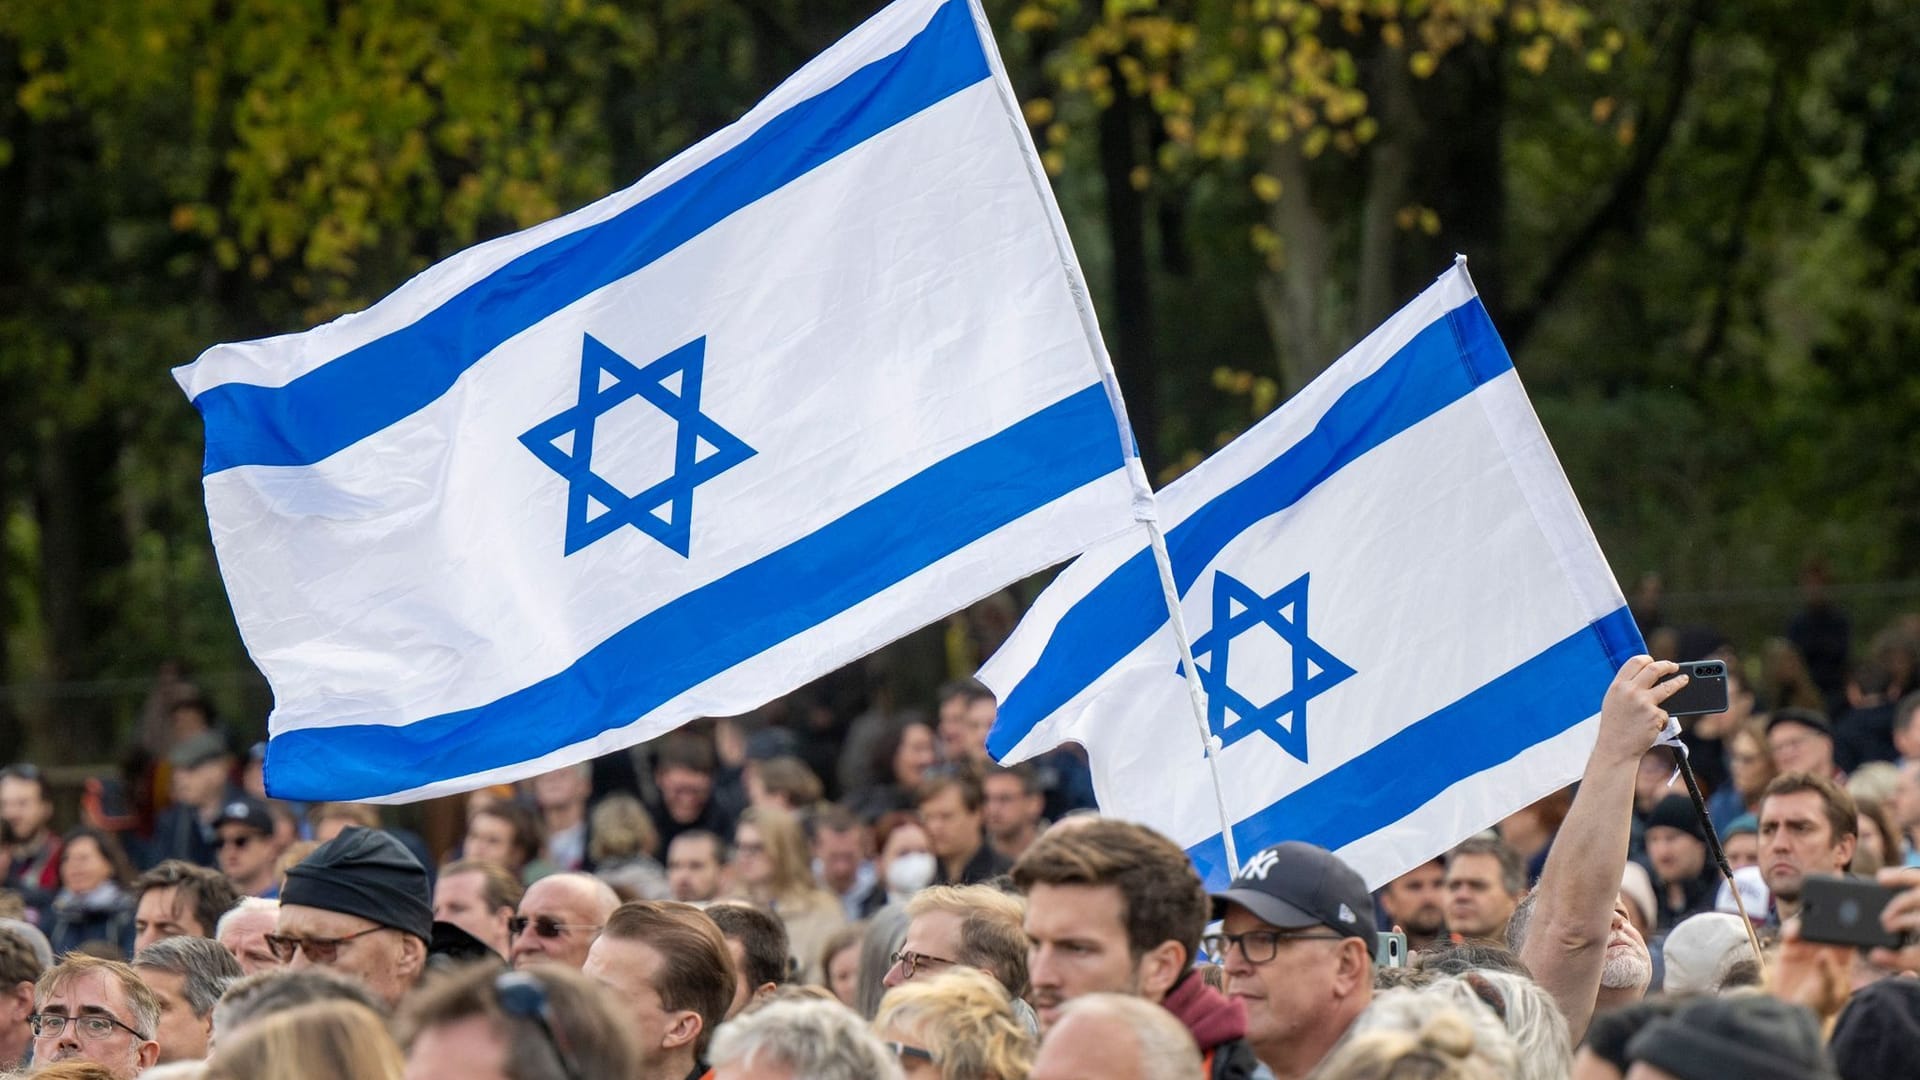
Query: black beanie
[1879,1031]
[1676,812]
[368,873]
[1750,1036]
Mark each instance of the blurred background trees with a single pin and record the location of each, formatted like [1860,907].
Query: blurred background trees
[1694,221]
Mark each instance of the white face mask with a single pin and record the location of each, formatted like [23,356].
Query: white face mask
[910,873]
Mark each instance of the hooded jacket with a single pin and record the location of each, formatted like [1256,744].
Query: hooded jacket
[1218,1023]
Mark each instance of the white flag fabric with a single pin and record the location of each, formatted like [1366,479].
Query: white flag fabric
[825,377]
[1402,621]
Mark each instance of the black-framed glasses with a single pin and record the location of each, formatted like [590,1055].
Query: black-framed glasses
[544,925]
[1259,946]
[909,1052]
[522,995]
[319,950]
[89,1026]
[236,840]
[909,962]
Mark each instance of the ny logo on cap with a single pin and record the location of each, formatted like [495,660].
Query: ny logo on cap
[1259,866]
[238,810]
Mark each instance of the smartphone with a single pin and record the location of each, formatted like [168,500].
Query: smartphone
[1390,950]
[1705,692]
[1846,911]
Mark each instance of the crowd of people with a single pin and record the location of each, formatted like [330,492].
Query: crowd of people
[751,900]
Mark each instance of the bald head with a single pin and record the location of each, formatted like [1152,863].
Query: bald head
[559,917]
[1116,1037]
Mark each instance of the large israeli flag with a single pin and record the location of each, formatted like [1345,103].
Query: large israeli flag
[1402,622]
[821,379]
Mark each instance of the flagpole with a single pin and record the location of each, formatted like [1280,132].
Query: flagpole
[1196,694]
[1145,506]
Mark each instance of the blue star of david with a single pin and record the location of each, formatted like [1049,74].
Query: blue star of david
[702,449]
[1315,670]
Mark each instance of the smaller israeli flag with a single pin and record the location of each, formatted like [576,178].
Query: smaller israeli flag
[1402,622]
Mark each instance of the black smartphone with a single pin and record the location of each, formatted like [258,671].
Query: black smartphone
[1846,911]
[1705,692]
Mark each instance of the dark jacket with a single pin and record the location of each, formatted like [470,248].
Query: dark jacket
[1218,1023]
[105,914]
[985,865]
[1698,896]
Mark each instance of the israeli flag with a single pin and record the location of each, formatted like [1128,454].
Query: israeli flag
[1402,622]
[821,379]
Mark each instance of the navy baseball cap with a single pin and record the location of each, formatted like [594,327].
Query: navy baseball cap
[1294,885]
[247,811]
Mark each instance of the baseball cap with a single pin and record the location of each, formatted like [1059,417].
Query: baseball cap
[247,811]
[1294,884]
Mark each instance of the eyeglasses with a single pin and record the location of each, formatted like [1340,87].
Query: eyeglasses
[908,962]
[545,926]
[523,996]
[750,848]
[237,840]
[903,1051]
[1258,946]
[319,950]
[90,1026]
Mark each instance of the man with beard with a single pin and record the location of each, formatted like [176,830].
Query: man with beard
[29,848]
[1580,944]
[1412,903]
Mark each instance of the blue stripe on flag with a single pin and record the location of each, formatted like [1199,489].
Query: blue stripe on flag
[1537,700]
[386,380]
[1442,364]
[703,633]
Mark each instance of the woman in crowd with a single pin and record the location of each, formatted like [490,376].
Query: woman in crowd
[510,834]
[840,961]
[901,760]
[905,864]
[93,903]
[326,1040]
[957,1025]
[1879,843]
[1751,767]
[771,870]
[622,844]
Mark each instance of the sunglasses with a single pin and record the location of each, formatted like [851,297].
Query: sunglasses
[522,995]
[545,926]
[238,840]
[319,950]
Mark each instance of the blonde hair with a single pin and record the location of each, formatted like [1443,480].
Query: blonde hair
[622,829]
[968,1018]
[786,846]
[993,935]
[326,1040]
[1539,1029]
[1408,1035]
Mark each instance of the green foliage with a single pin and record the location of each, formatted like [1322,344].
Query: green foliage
[1697,222]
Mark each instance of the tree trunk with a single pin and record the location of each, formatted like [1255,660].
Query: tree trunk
[1130,326]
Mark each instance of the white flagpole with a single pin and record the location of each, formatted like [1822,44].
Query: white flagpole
[1145,507]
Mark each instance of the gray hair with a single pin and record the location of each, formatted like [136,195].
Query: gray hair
[205,968]
[1520,922]
[1411,1012]
[820,1040]
[1531,1016]
[1161,1043]
[268,992]
[886,932]
[247,905]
